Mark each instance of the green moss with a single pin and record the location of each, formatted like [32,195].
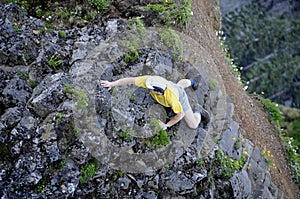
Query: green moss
[88,171]
[126,133]
[139,25]
[39,12]
[134,40]
[76,132]
[62,33]
[179,12]
[131,56]
[59,118]
[79,96]
[157,7]
[172,41]
[100,5]
[273,111]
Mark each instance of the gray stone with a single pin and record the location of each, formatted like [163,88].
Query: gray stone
[48,95]
[179,183]
[11,117]
[230,140]
[241,185]
[123,183]
[16,92]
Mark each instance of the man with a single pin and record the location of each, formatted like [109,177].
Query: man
[167,94]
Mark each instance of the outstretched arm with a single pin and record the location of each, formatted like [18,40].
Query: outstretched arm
[119,82]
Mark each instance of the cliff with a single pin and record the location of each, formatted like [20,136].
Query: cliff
[65,136]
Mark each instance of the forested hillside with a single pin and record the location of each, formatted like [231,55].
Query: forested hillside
[264,42]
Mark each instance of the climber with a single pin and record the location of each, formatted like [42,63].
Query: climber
[167,94]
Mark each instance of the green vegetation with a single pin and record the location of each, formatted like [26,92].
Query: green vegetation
[55,61]
[132,55]
[79,96]
[267,48]
[199,162]
[134,40]
[62,34]
[291,147]
[39,187]
[76,132]
[160,140]
[29,80]
[139,26]
[117,174]
[126,133]
[68,12]
[131,97]
[161,137]
[100,5]
[39,12]
[172,41]
[293,156]
[88,171]
[59,118]
[174,12]
[273,111]
[113,91]
[16,28]
[267,156]
[228,165]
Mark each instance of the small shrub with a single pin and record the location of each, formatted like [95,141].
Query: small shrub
[131,56]
[88,171]
[126,133]
[228,165]
[273,111]
[100,5]
[161,138]
[138,26]
[39,12]
[39,187]
[183,13]
[54,60]
[62,33]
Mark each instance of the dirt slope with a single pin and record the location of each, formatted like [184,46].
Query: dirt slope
[247,110]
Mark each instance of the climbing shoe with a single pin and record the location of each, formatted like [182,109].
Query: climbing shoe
[195,82]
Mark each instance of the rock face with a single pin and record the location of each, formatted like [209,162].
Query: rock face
[62,135]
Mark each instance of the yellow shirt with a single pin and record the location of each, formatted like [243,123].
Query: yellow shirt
[170,97]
